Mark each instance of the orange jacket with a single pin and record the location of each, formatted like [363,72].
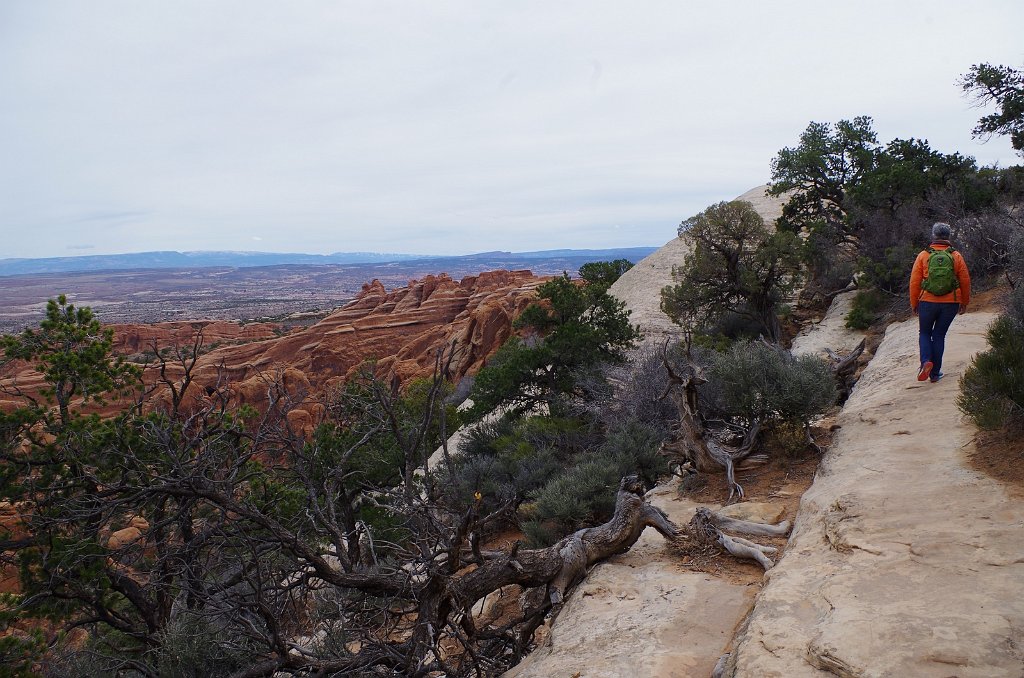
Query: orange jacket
[960,296]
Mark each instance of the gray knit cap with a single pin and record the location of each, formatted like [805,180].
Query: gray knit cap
[941,231]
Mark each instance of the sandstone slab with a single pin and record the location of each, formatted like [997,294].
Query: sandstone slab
[830,332]
[754,511]
[903,561]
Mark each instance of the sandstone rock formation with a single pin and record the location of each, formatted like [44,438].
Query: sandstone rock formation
[400,329]
[129,339]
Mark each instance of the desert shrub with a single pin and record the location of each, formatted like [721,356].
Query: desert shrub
[509,459]
[992,388]
[192,646]
[632,391]
[1015,260]
[984,240]
[864,310]
[508,477]
[755,381]
[786,441]
[641,443]
[570,435]
[585,493]
[195,647]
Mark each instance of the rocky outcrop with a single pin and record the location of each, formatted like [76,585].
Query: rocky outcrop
[400,330]
[129,339]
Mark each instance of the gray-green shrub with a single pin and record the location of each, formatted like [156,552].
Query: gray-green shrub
[755,381]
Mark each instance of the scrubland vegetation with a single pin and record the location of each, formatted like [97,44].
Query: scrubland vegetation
[182,535]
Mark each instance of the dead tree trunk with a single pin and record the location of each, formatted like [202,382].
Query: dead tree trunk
[552,572]
[546,575]
[844,369]
[691,444]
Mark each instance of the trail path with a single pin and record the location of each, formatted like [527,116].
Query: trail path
[903,561]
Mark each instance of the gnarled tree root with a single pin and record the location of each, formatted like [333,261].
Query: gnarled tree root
[707,527]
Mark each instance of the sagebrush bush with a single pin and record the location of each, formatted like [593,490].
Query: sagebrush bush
[1015,262]
[755,381]
[585,493]
[582,495]
[992,388]
[191,646]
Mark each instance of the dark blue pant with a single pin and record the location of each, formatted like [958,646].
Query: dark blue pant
[935,320]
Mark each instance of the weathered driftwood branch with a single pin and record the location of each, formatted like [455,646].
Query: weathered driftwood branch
[562,565]
[844,369]
[746,526]
[546,576]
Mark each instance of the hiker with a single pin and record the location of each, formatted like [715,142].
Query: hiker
[940,287]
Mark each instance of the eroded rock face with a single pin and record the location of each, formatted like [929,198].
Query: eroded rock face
[400,329]
[129,339]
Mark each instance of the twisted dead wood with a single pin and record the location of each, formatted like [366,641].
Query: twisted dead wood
[690,442]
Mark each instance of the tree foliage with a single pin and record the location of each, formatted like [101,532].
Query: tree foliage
[756,382]
[737,266]
[819,172]
[72,351]
[866,208]
[604,273]
[572,327]
[1004,87]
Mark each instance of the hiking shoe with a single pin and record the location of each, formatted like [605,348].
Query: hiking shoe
[926,369]
[936,377]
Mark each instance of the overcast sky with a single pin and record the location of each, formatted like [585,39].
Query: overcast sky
[446,127]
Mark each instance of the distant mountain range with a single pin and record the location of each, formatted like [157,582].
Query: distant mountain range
[171,259]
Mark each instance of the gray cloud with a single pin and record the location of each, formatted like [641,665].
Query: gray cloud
[445,127]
